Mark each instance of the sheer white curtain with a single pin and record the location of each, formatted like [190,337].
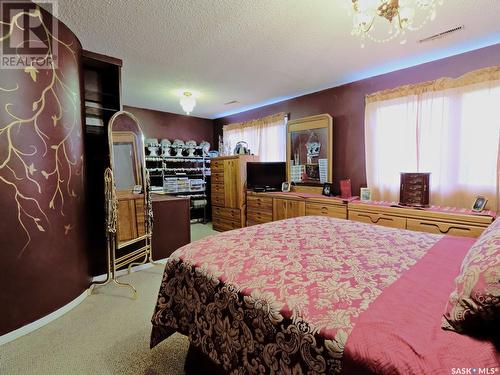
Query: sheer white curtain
[453,133]
[266,137]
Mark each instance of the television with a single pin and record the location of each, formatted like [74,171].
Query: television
[265,176]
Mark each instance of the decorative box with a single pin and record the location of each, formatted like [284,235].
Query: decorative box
[414,189]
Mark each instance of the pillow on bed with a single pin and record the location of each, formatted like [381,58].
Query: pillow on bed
[474,305]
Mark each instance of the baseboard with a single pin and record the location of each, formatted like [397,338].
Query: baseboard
[28,328]
[24,330]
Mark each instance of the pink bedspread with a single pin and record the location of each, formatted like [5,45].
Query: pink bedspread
[401,331]
[287,296]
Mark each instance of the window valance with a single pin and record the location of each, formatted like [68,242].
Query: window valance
[476,76]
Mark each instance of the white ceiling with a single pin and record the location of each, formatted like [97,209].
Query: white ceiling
[255,51]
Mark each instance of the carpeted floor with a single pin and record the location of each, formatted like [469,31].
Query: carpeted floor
[199,231]
[108,333]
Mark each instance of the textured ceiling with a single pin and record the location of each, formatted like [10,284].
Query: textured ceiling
[254,51]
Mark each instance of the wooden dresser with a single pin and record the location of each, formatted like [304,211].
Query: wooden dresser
[266,207]
[228,191]
[432,221]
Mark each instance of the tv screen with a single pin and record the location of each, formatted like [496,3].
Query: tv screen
[269,175]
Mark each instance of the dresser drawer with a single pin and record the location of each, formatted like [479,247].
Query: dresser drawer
[217,166]
[258,204]
[444,228]
[380,219]
[218,199]
[227,213]
[217,188]
[251,222]
[318,209]
[259,217]
[220,224]
[217,178]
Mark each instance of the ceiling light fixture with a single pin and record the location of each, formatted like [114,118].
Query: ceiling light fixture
[403,15]
[187,101]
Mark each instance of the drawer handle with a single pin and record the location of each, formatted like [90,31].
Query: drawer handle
[371,217]
[324,210]
[444,228]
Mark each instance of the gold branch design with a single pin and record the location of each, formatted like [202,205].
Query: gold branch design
[17,165]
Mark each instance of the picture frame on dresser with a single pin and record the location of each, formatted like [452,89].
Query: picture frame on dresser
[327,189]
[479,204]
[365,194]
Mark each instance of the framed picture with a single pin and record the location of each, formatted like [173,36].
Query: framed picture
[327,189]
[309,150]
[479,204]
[285,186]
[365,194]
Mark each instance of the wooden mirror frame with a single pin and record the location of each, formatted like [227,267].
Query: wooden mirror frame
[128,137]
[309,123]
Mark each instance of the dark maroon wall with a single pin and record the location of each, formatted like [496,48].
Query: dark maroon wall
[346,105]
[157,124]
[43,259]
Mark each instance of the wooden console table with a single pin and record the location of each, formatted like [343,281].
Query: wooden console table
[441,220]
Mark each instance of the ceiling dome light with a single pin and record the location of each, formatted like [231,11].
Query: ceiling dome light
[187,102]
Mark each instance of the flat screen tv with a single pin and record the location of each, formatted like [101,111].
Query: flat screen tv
[266,175]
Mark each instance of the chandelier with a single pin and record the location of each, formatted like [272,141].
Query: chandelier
[187,101]
[401,15]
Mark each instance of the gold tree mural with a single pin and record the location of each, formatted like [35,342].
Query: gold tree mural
[40,173]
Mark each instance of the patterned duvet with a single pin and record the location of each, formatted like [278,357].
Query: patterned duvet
[282,297]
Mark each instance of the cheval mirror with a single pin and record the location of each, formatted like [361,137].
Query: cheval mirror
[127,196]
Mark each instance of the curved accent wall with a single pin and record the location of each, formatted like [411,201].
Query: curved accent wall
[43,258]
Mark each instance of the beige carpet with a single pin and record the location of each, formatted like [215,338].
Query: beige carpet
[108,333]
[199,231]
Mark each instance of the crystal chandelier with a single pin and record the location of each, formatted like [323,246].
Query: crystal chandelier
[402,15]
[187,102]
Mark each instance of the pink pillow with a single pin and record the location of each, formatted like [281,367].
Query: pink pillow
[474,305]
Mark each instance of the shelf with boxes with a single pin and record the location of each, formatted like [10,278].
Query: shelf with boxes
[180,168]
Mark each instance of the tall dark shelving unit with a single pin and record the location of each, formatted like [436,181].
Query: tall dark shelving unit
[162,168]
[102,99]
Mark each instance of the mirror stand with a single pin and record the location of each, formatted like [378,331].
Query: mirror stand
[128,207]
[145,252]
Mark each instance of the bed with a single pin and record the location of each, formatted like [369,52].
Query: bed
[315,295]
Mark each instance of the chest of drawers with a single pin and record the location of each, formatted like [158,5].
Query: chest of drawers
[228,195]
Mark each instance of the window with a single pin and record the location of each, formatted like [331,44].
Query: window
[265,137]
[454,134]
